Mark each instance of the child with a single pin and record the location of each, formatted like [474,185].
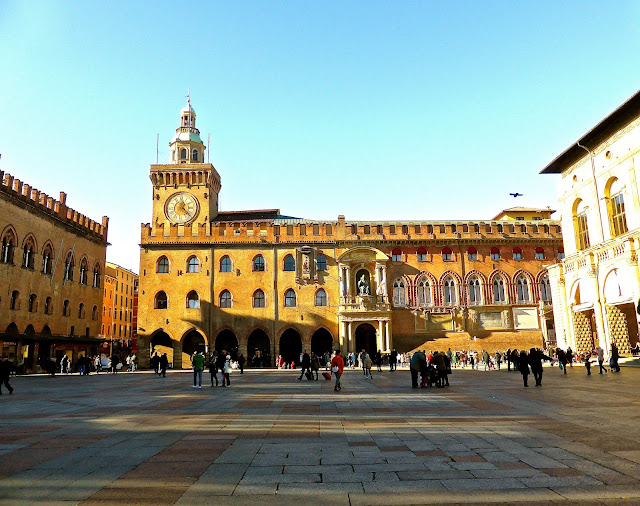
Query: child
[368,363]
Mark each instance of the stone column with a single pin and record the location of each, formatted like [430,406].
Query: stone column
[347,272]
[177,355]
[349,338]
[387,335]
[341,270]
[242,348]
[379,336]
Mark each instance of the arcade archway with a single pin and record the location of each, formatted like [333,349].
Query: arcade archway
[161,343]
[290,346]
[227,340]
[366,338]
[258,346]
[321,342]
[192,342]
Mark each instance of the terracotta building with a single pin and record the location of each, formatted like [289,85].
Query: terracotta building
[597,286]
[118,309]
[259,281]
[52,262]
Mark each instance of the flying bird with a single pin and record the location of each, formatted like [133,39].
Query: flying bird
[516,195]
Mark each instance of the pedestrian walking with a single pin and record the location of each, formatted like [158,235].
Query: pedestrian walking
[523,367]
[226,371]
[197,362]
[155,362]
[315,364]
[213,367]
[587,362]
[600,353]
[562,359]
[115,360]
[241,362]
[393,360]
[535,359]
[615,355]
[163,363]
[305,364]
[337,367]
[368,364]
[5,372]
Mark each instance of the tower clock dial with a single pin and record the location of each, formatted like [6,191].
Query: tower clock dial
[182,208]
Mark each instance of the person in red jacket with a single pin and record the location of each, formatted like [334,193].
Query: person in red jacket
[337,366]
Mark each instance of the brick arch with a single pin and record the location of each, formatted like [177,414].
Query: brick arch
[407,287]
[31,237]
[415,284]
[9,229]
[48,244]
[318,327]
[484,285]
[284,329]
[157,331]
[245,339]
[458,280]
[513,284]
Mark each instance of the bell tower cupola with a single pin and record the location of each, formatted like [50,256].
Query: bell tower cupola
[186,145]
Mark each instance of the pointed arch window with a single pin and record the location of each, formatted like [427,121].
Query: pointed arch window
[321,298]
[193,264]
[226,300]
[47,258]
[14,301]
[84,274]
[69,264]
[259,299]
[449,291]
[9,241]
[321,263]
[522,286]
[290,299]
[289,263]
[258,264]
[33,303]
[96,276]
[225,264]
[399,293]
[162,265]
[424,292]
[499,296]
[545,288]
[475,297]
[193,300]
[28,255]
[160,300]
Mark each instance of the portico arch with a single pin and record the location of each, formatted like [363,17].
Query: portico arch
[226,340]
[290,346]
[258,349]
[160,343]
[321,342]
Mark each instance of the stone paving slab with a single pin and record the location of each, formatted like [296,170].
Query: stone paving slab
[270,439]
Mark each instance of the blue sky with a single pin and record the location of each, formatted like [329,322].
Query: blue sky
[372,109]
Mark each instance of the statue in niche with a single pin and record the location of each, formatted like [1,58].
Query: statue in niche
[305,264]
[363,286]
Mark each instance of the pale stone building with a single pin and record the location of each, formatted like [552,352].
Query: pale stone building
[596,287]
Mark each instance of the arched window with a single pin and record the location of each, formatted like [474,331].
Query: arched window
[422,255]
[9,241]
[258,263]
[399,294]
[560,253]
[194,155]
[183,154]
[69,264]
[162,265]
[580,225]
[321,298]
[449,291]
[517,253]
[225,264]
[47,256]
[193,264]
[523,289]
[447,255]
[14,302]
[193,300]
[94,313]
[396,255]
[498,290]
[321,263]
[472,254]
[81,310]
[290,298]
[66,310]
[160,300]
[48,306]
[615,207]
[84,274]
[545,288]
[424,292]
[28,255]
[539,253]
[474,291]
[258,299]
[33,303]
[225,299]
[96,275]
[289,263]
[495,253]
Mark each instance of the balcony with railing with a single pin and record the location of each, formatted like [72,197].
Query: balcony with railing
[365,303]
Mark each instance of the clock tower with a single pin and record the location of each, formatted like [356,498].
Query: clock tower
[185,191]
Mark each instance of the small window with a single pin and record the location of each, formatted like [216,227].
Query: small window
[48,307]
[517,253]
[160,301]
[472,254]
[289,229]
[183,154]
[422,255]
[289,263]
[321,298]
[258,264]
[367,229]
[392,229]
[259,299]
[14,302]
[328,229]
[225,299]
[81,310]
[560,253]
[316,229]
[447,255]
[405,229]
[495,253]
[162,266]
[193,264]
[539,253]
[321,263]
[225,264]
[417,229]
[396,255]
[66,311]
[33,303]
[193,300]
[194,155]
[379,229]
[290,298]
[519,218]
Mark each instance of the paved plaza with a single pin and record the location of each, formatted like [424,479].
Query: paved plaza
[138,438]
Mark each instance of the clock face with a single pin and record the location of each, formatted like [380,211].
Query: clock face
[182,208]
